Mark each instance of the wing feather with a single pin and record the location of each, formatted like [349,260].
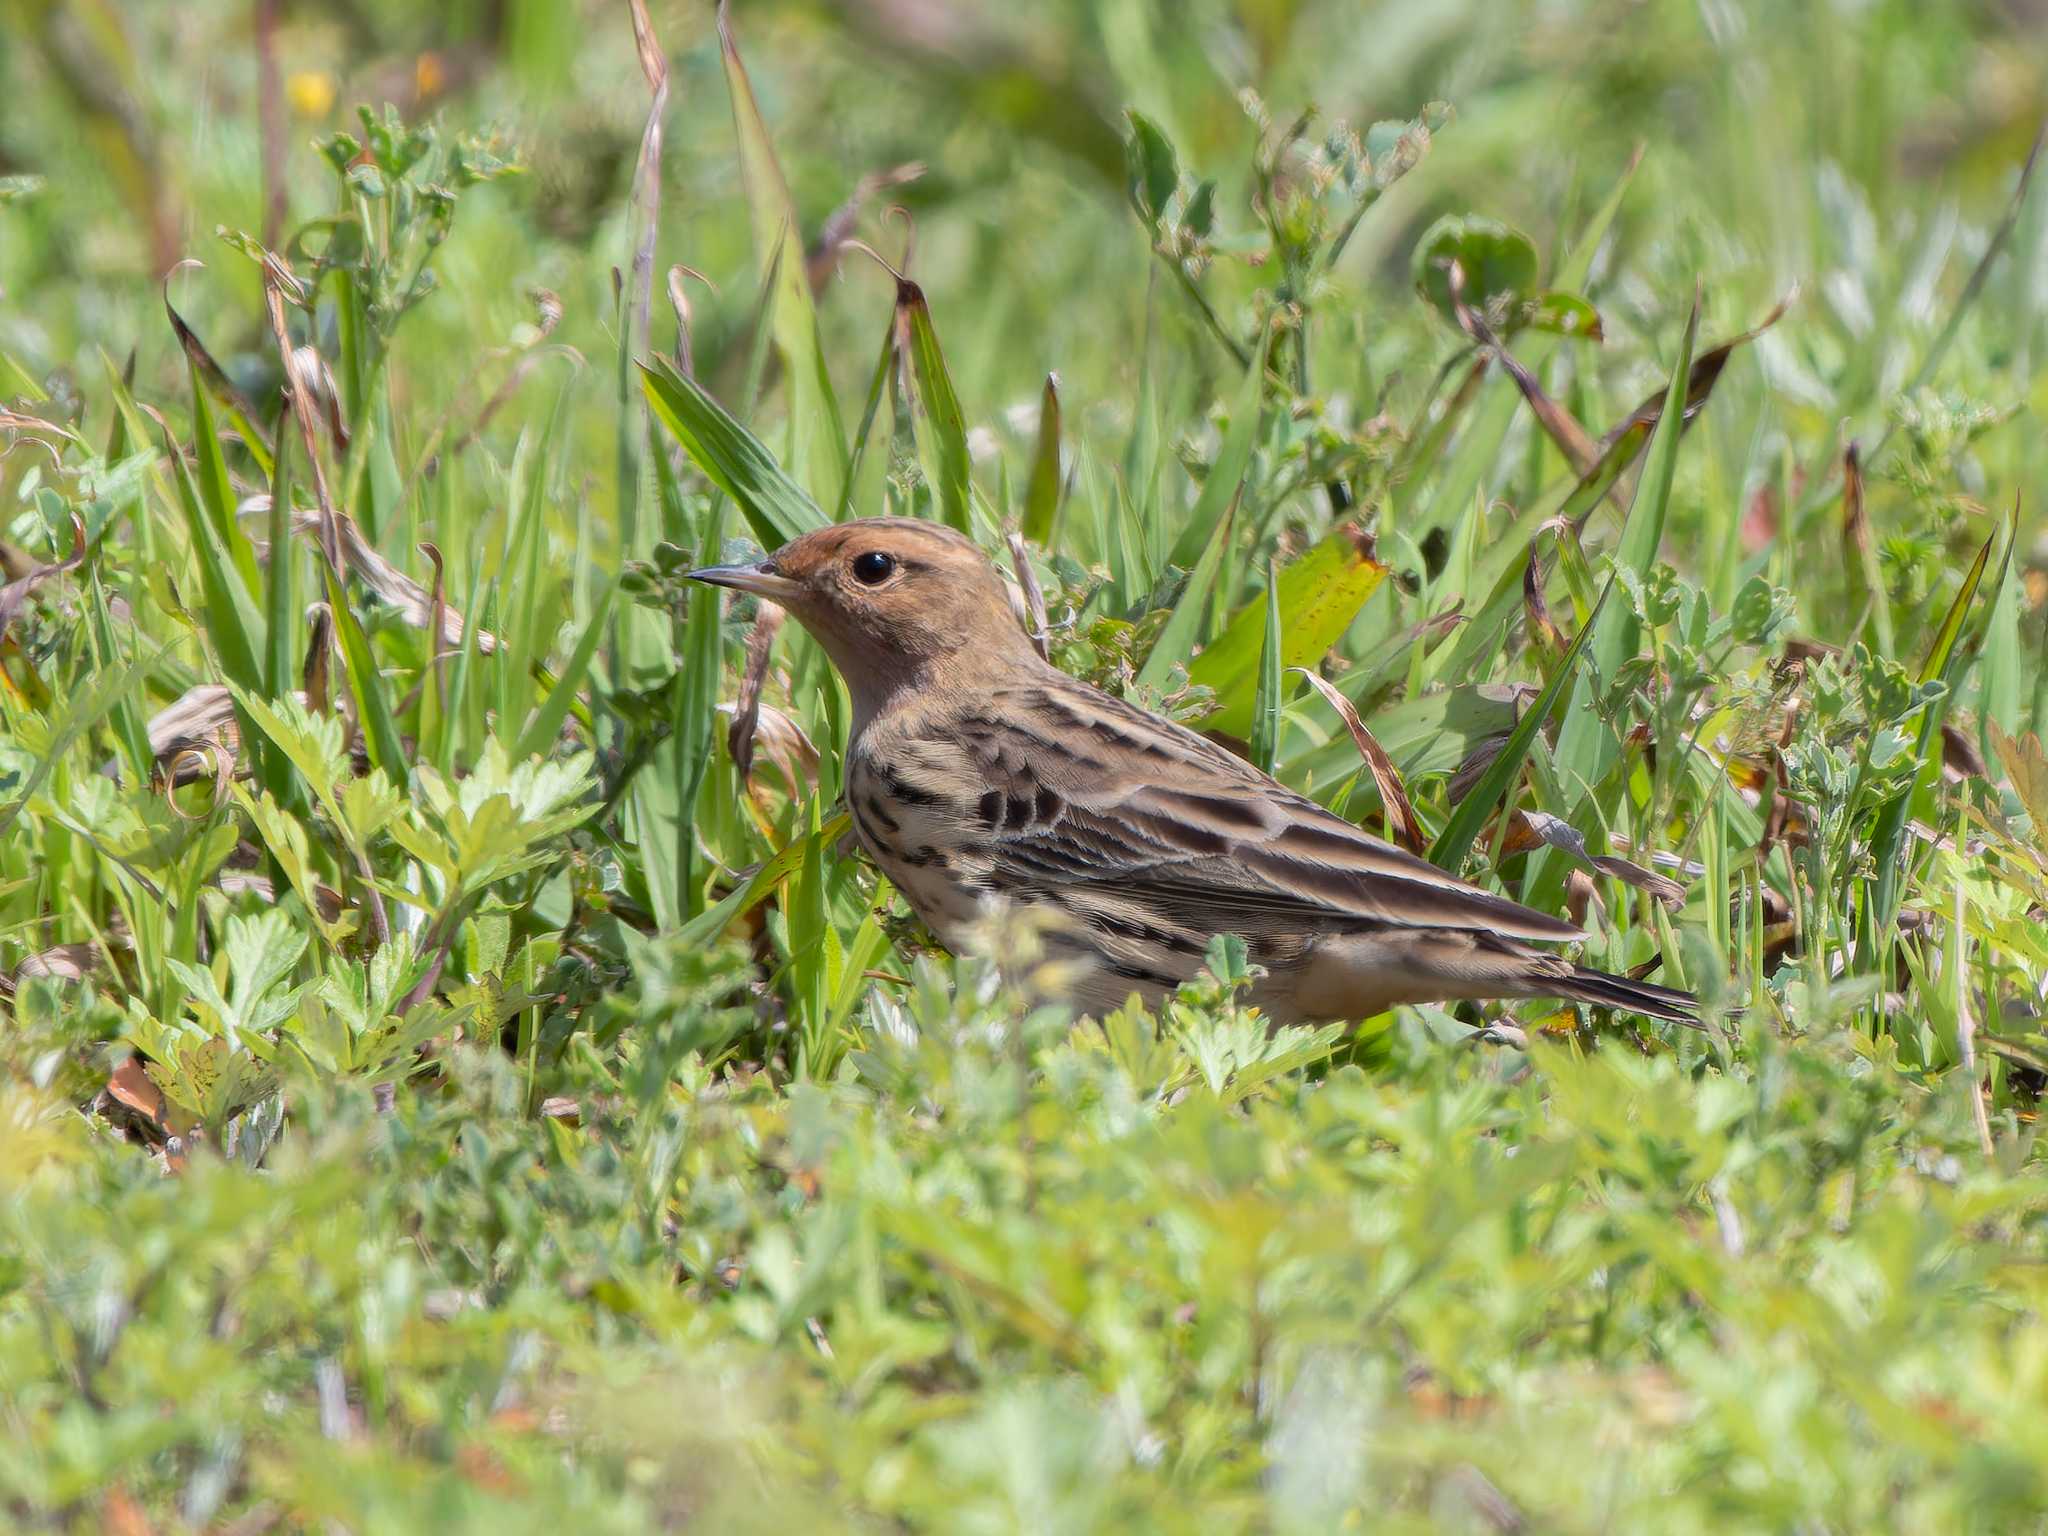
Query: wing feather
[1092,797]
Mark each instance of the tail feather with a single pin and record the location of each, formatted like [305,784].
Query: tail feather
[1589,986]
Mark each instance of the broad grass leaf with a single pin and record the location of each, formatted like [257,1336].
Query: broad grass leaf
[1319,595]
[1177,641]
[1042,490]
[731,457]
[1221,490]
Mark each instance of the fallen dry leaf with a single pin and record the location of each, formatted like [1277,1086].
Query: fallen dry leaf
[1401,822]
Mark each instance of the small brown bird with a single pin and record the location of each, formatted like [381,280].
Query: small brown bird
[977,770]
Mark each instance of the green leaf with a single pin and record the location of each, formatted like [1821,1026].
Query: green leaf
[1176,642]
[1563,314]
[1153,169]
[1499,263]
[731,457]
[1470,814]
[546,723]
[1042,492]
[1480,447]
[941,405]
[1265,738]
[85,712]
[1320,594]
[1226,475]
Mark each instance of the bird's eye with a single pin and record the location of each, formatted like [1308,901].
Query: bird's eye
[873,568]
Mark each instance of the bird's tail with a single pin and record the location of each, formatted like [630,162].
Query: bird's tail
[1605,991]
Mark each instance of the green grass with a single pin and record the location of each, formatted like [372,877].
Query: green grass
[442,1091]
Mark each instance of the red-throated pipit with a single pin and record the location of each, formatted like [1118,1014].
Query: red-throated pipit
[978,770]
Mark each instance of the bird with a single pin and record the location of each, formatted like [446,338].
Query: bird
[978,775]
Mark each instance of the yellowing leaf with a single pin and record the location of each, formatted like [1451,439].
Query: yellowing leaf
[1320,594]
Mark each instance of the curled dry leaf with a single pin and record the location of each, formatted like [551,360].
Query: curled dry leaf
[196,735]
[130,1085]
[195,730]
[746,712]
[309,371]
[1582,898]
[301,381]
[836,233]
[1855,520]
[2027,766]
[1030,598]
[679,301]
[1528,828]
[785,744]
[62,962]
[1572,440]
[247,882]
[1401,822]
[413,602]
[120,1515]
[314,677]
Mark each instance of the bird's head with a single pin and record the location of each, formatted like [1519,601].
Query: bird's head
[890,599]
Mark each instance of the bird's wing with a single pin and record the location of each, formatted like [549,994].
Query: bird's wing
[1091,798]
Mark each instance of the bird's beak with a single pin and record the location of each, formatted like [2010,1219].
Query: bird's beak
[761,579]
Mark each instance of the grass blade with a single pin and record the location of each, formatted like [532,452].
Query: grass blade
[546,723]
[1470,814]
[1183,631]
[732,458]
[1943,661]
[876,385]
[234,624]
[709,924]
[941,404]
[818,458]
[1042,491]
[1220,491]
[1587,747]
[1265,737]
[373,706]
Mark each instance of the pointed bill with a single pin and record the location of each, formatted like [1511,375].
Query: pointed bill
[761,579]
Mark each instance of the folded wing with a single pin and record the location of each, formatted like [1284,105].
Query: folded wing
[1094,801]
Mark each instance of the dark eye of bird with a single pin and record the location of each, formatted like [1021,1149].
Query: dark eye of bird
[873,568]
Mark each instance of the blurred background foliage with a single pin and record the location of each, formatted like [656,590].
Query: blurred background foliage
[1788,142]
